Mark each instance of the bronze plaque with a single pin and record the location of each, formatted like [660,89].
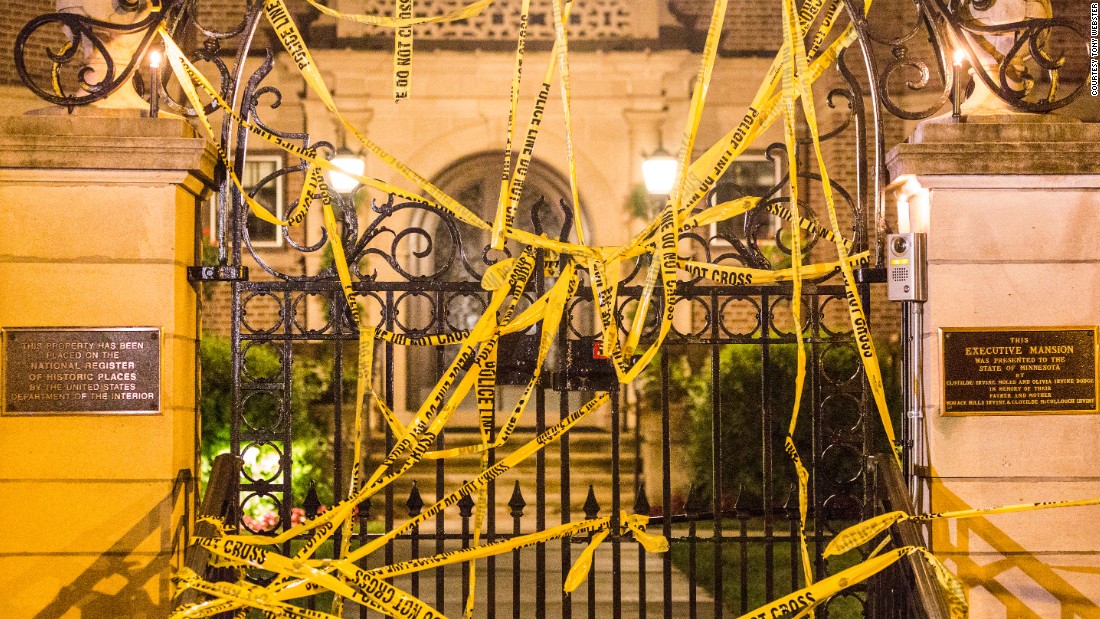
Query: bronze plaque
[81,371]
[1019,371]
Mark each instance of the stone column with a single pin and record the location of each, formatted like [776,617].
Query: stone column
[1014,209]
[99,219]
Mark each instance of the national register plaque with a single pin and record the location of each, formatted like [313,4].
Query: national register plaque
[1019,371]
[71,371]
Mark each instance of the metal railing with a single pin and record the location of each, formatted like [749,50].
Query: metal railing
[907,589]
[218,501]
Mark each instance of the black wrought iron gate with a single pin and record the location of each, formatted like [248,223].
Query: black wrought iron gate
[697,444]
[733,535]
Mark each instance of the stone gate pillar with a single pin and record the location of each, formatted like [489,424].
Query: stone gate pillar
[1010,364]
[98,425]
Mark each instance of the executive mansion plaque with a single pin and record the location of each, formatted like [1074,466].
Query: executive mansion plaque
[1019,371]
[80,371]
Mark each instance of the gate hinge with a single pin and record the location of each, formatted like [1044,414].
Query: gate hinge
[870,275]
[200,274]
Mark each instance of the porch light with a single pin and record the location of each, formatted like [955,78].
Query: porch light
[350,163]
[659,171]
[913,202]
[956,84]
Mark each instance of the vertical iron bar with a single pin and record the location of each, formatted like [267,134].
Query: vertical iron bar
[564,462]
[566,551]
[391,324]
[666,486]
[540,458]
[516,504]
[338,435]
[616,537]
[364,518]
[592,585]
[795,546]
[716,457]
[465,517]
[767,431]
[440,476]
[744,518]
[692,560]
[642,593]
[237,406]
[817,439]
[414,551]
[491,523]
[287,355]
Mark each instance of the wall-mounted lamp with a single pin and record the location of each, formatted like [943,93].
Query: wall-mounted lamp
[906,266]
[154,82]
[659,171]
[351,163]
[956,84]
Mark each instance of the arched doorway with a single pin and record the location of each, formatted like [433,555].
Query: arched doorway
[474,180]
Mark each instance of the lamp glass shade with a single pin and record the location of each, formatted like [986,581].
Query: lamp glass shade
[343,183]
[659,173]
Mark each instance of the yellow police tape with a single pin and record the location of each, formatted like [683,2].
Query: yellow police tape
[955,594]
[402,51]
[788,82]
[859,534]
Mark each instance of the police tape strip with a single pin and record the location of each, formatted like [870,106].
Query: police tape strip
[954,591]
[808,225]
[665,257]
[501,221]
[628,522]
[863,532]
[744,276]
[561,48]
[808,597]
[667,227]
[470,10]
[417,438]
[287,33]
[240,594]
[402,51]
[526,154]
[860,326]
[551,315]
[486,403]
[189,78]
[421,435]
[793,29]
[507,463]
[363,391]
[378,594]
[705,171]
[366,589]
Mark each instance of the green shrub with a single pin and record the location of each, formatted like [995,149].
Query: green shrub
[740,394]
[310,381]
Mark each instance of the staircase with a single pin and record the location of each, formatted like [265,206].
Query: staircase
[589,464]
[598,588]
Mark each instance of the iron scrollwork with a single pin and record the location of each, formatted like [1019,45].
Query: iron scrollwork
[1012,73]
[1014,82]
[88,37]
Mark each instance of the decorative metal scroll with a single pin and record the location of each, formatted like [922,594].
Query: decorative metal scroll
[1026,76]
[85,37]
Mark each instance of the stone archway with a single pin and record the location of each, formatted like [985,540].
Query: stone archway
[474,180]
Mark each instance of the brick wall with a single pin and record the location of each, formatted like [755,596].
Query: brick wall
[13,15]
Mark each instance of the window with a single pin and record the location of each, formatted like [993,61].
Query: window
[257,168]
[749,175]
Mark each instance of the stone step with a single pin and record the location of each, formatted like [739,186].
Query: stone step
[585,451]
[630,575]
[601,488]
